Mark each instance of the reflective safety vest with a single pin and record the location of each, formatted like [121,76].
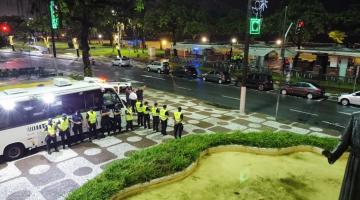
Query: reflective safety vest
[163,115]
[64,124]
[177,116]
[92,117]
[145,110]
[51,130]
[139,108]
[154,112]
[129,115]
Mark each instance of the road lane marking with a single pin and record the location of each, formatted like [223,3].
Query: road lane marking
[333,124]
[303,112]
[345,113]
[147,76]
[183,88]
[231,97]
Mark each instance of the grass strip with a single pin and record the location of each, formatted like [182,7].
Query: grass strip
[176,155]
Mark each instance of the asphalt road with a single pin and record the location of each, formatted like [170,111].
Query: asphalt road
[322,113]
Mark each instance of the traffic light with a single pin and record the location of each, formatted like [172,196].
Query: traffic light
[4,28]
[255,26]
[299,26]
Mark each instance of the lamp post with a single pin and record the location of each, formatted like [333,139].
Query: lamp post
[245,60]
[233,41]
[204,39]
[100,38]
[163,43]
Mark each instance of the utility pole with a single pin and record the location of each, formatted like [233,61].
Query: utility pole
[282,59]
[245,60]
[54,24]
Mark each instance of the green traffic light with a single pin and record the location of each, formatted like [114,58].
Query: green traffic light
[255,26]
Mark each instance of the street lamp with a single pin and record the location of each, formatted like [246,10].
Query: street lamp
[233,40]
[163,43]
[99,36]
[278,42]
[204,39]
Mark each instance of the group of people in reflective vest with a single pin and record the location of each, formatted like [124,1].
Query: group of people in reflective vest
[111,123]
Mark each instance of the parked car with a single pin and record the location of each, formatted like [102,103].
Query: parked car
[185,72]
[159,67]
[305,89]
[217,76]
[347,99]
[259,81]
[121,61]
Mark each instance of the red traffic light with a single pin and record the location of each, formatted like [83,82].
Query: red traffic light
[4,28]
[301,24]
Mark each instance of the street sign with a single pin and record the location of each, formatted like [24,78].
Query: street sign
[255,26]
[53,15]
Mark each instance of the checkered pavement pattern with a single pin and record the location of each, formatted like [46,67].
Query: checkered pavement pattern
[42,176]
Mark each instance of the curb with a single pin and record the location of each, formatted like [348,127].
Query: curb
[130,191]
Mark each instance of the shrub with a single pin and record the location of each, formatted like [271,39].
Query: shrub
[176,155]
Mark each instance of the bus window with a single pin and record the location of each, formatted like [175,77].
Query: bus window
[73,102]
[110,98]
[12,118]
[93,99]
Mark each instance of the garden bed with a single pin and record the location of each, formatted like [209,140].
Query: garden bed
[176,155]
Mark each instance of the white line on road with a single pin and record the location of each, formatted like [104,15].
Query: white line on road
[333,124]
[183,88]
[345,113]
[147,76]
[231,97]
[299,111]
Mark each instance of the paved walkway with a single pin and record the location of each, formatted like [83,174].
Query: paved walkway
[42,176]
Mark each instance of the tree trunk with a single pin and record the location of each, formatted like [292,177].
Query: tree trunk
[173,36]
[84,39]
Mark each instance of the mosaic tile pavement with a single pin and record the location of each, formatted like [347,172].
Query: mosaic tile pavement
[50,177]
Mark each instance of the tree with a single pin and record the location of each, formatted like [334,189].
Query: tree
[337,36]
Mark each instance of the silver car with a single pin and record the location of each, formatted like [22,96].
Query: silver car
[347,99]
[123,61]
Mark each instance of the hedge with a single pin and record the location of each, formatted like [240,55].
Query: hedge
[176,155]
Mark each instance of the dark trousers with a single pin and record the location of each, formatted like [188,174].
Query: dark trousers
[129,125]
[116,123]
[178,128]
[105,125]
[156,121]
[147,121]
[140,119]
[163,126]
[133,102]
[67,140]
[92,131]
[48,140]
[78,132]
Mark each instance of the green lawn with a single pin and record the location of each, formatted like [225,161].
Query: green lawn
[176,155]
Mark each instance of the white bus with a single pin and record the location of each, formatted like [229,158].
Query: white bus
[24,112]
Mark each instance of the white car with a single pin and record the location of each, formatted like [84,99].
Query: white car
[346,99]
[123,61]
[158,66]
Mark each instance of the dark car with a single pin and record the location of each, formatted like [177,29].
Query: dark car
[259,81]
[305,89]
[217,76]
[185,72]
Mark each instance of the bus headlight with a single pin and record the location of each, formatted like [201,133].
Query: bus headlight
[7,105]
[48,98]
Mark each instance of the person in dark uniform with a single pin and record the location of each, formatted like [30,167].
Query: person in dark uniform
[117,118]
[155,111]
[350,138]
[146,113]
[91,117]
[178,125]
[77,126]
[64,130]
[129,118]
[51,136]
[105,121]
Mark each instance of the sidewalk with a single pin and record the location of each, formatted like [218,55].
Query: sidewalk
[42,176]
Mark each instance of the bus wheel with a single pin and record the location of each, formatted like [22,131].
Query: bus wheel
[14,151]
